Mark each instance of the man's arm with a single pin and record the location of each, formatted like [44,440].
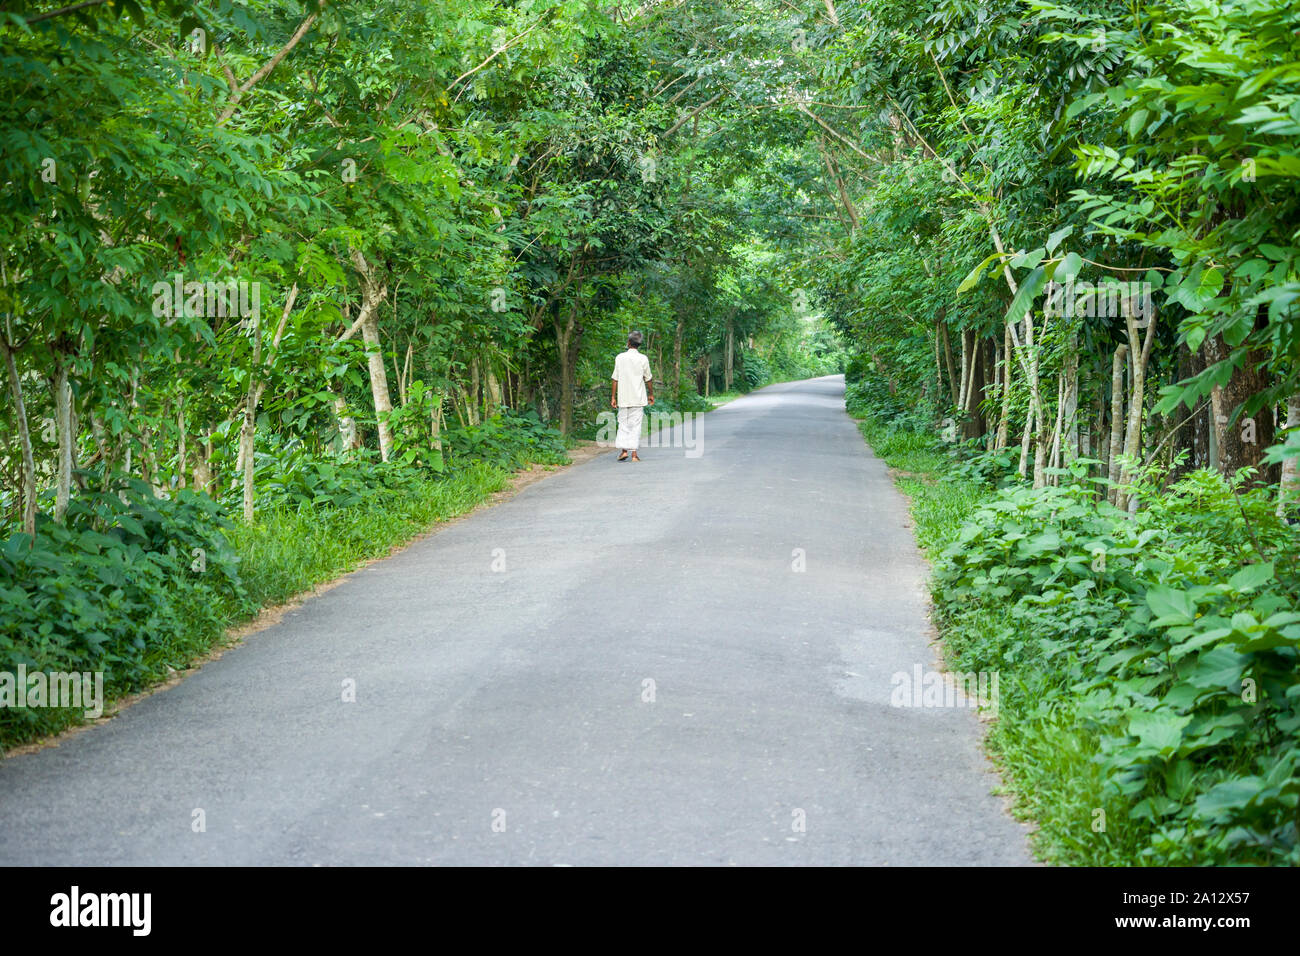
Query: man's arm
[649,383]
[613,393]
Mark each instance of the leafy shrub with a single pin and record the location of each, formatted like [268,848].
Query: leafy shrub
[508,440]
[1170,636]
[132,584]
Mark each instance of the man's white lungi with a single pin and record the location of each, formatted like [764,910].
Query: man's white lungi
[629,426]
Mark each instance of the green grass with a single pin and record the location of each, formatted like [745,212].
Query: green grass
[289,551]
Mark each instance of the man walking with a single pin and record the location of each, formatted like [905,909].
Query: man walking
[631,390]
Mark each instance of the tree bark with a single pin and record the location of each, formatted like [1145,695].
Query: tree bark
[1025,437]
[373,292]
[1004,421]
[1241,440]
[1116,421]
[1137,397]
[63,423]
[565,338]
[24,439]
[1288,489]
[728,367]
[677,356]
[1070,400]
[954,384]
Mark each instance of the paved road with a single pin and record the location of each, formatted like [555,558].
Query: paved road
[508,716]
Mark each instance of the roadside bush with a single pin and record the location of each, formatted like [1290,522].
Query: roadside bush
[131,585]
[1170,637]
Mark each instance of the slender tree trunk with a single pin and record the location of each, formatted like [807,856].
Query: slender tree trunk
[203,466]
[472,394]
[728,366]
[1025,438]
[182,456]
[63,422]
[1036,397]
[954,383]
[492,391]
[1116,420]
[1288,489]
[253,398]
[1069,415]
[965,363]
[247,436]
[248,429]
[677,355]
[1004,421]
[373,292]
[1137,396]
[435,423]
[24,439]
[126,436]
[938,361]
[1054,444]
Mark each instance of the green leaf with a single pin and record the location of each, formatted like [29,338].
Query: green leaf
[1251,577]
[1026,295]
[1161,730]
[975,274]
[1170,606]
[1055,238]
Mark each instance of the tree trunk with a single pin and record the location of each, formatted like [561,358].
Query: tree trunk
[677,356]
[1004,421]
[471,395]
[1192,434]
[373,292]
[182,456]
[1054,458]
[1137,396]
[1069,414]
[566,340]
[728,367]
[492,392]
[1025,437]
[24,439]
[1036,398]
[247,434]
[1241,440]
[954,384]
[961,385]
[63,423]
[1116,420]
[1288,489]
[435,423]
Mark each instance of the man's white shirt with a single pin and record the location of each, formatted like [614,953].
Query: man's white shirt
[631,371]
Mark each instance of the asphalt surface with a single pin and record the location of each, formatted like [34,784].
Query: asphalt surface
[646,678]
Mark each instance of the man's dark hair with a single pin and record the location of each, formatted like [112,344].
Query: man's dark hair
[634,340]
